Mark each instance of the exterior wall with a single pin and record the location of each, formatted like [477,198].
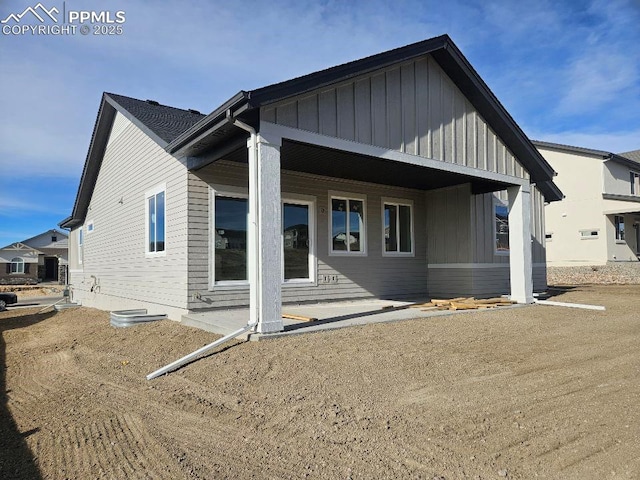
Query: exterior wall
[115,272]
[44,241]
[373,275]
[461,244]
[623,250]
[580,179]
[413,108]
[616,178]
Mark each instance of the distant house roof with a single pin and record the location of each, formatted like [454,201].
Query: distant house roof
[632,155]
[186,132]
[631,159]
[21,247]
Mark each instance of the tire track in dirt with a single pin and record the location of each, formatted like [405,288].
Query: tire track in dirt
[113,447]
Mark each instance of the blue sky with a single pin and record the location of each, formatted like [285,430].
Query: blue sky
[567,71]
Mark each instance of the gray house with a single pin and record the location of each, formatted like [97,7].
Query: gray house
[395,176]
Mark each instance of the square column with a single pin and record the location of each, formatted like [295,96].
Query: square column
[265,234]
[520,244]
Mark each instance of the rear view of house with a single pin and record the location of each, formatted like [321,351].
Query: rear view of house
[395,176]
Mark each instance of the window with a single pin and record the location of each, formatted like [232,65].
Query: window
[548,237]
[501,227]
[90,226]
[618,221]
[635,183]
[155,213]
[230,230]
[54,238]
[397,222]
[80,245]
[589,234]
[297,241]
[17,265]
[347,225]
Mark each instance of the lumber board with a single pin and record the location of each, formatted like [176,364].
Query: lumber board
[301,318]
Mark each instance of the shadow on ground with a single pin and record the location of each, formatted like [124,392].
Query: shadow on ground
[16,459]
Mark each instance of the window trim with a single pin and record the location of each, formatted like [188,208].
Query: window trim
[230,192]
[632,177]
[499,202]
[310,201]
[240,192]
[80,244]
[332,194]
[91,226]
[17,261]
[147,195]
[398,202]
[616,225]
[589,237]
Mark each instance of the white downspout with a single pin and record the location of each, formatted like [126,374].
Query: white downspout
[253,259]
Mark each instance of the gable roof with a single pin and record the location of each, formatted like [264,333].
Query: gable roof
[25,243]
[185,132]
[160,122]
[631,159]
[21,247]
[217,127]
[632,155]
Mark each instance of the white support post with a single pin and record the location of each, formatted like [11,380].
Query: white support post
[520,244]
[265,231]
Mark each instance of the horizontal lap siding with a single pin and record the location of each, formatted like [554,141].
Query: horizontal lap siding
[115,251]
[373,275]
[413,108]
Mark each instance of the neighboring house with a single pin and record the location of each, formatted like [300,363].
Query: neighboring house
[39,258]
[598,220]
[394,168]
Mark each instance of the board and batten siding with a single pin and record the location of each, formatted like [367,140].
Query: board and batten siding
[461,243]
[114,262]
[413,108]
[373,275]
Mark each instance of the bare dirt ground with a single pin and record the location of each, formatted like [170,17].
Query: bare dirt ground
[544,392]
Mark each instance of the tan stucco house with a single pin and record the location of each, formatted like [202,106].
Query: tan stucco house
[598,221]
[42,257]
[399,175]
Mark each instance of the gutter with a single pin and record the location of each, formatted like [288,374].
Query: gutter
[212,122]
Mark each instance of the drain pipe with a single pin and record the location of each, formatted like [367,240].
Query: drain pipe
[254,265]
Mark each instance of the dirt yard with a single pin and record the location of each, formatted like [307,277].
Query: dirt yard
[540,391]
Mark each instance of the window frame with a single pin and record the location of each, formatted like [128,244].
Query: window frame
[632,177]
[619,233]
[17,261]
[310,202]
[228,192]
[502,203]
[590,231]
[91,227]
[80,244]
[162,188]
[398,202]
[363,240]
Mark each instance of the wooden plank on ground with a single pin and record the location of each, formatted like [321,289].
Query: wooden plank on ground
[301,318]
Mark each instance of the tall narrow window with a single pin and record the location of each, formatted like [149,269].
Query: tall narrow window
[635,183]
[80,245]
[398,227]
[348,225]
[230,223]
[618,221]
[501,214]
[17,265]
[156,221]
[296,241]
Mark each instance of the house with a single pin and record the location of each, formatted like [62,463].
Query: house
[39,258]
[598,220]
[393,166]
